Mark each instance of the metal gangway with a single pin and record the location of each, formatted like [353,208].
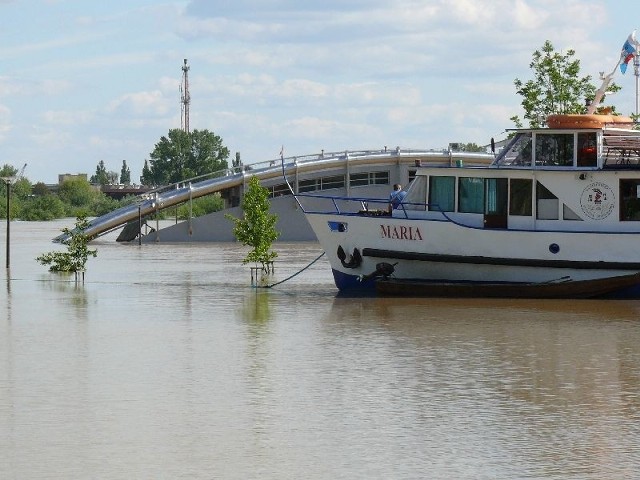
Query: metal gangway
[175,194]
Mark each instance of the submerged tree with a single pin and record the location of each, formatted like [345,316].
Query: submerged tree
[257,226]
[77,254]
[556,87]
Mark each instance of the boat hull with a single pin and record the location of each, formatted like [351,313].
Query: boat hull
[623,285]
[437,251]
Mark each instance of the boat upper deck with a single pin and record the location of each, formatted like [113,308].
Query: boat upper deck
[610,147]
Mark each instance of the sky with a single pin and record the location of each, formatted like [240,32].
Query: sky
[84,81]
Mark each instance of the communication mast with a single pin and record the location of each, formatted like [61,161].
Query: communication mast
[185,98]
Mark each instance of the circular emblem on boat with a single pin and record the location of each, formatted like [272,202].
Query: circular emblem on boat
[597,200]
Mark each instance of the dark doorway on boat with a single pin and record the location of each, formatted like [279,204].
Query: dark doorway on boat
[496,196]
[630,200]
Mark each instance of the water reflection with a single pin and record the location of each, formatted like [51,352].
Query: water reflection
[255,308]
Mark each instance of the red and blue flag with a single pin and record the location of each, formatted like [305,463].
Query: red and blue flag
[629,50]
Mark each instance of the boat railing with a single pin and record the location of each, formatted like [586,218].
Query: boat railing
[375,207]
[621,151]
[332,204]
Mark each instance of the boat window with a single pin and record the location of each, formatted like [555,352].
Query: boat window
[442,193]
[416,194]
[520,197]
[471,195]
[587,149]
[630,200]
[517,152]
[554,149]
[547,203]
[568,214]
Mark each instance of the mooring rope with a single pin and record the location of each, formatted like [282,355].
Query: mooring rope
[290,277]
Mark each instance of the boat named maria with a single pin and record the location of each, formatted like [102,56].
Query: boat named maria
[557,214]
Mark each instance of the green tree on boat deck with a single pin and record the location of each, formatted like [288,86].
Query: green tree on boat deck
[556,87]
[257,226]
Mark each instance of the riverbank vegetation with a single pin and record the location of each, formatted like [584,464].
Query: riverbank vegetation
[178,156]
[78,198]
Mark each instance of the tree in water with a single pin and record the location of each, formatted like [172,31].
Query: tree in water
[257,226]
[77,254]
[556,87]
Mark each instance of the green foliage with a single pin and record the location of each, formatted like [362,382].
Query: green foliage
[183,155]
[42,207]
[83,199]
[101,177]
[257,227]
[77,254]
[8,171]
[201,206]
[75,198]
[40,189]
[125,174]
[77,192]
[147,176]
[556,87]
[472,147]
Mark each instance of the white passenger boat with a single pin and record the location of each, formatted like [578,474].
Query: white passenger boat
[558,206]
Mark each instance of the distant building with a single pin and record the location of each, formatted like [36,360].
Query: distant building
[63,177]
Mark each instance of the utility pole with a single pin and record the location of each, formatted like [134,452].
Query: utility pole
[185,98]
[8,181]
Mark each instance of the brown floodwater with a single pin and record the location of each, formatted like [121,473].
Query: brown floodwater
[167,363]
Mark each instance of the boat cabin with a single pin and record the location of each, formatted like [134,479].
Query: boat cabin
[602,148]
[544,179]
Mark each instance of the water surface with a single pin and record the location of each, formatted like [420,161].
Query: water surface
[166,363]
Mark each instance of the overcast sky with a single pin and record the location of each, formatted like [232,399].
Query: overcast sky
[83,81]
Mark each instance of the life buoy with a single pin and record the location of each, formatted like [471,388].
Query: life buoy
[586,121]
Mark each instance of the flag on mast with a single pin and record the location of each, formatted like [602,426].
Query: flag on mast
[629,50]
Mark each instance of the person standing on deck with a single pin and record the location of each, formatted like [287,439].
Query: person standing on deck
[396,197]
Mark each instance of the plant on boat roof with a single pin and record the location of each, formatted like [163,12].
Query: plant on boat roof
[556,87]
[77,254]
[257,226]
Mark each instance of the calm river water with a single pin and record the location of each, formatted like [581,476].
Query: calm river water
[166,363]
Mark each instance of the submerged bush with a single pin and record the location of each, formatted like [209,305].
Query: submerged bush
[77,254]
